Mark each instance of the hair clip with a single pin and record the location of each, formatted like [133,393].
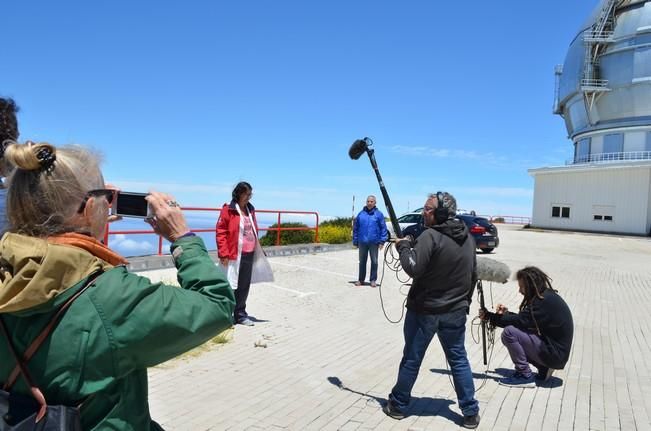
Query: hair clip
[46,159]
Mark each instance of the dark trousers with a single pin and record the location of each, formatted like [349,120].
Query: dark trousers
[243,285]
[419,330]
[524,349]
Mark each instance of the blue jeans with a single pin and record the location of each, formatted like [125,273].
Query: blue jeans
[364,251]
[419,330]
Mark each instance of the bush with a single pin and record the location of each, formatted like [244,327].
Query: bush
[332,234]
[498,220]
[288,237]
[339,222]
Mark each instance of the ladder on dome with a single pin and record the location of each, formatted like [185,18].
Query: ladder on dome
[596,39]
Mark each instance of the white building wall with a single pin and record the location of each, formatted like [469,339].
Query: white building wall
[623,191]
[648,213]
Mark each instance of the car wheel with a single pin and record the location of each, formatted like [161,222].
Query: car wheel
[486,250]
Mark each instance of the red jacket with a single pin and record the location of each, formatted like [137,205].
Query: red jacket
[228,230]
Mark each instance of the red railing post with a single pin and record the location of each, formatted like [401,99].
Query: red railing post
[278,231]
[160,245]
[316,233]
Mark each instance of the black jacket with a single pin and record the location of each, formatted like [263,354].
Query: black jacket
[554,319]
[442,263]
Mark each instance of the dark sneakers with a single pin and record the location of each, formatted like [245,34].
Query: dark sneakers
[471,422]
[392,412]
[519,380]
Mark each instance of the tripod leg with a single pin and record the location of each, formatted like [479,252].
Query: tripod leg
[483,341]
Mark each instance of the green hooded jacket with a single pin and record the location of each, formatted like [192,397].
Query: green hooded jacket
[122,324]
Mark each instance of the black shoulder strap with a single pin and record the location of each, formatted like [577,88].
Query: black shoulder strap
[31,350]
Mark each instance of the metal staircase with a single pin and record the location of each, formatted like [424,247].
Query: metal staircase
[596,39]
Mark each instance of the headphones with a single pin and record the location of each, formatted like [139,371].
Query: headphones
[441,213]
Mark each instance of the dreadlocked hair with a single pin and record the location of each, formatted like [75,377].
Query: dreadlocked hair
[8,123]
[535,283]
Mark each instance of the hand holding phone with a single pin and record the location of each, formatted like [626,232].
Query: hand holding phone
[167,218]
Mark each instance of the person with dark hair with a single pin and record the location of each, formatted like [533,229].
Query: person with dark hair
[120,323]
[8,134]
[442,263]
[540,333]
[238,247]
[369,235]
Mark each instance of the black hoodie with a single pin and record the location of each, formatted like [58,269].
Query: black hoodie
[442,263]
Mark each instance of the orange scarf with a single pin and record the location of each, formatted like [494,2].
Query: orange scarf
[89,244]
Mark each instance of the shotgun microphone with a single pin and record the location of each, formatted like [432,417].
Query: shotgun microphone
[492,270]
[488,270]
[358,148]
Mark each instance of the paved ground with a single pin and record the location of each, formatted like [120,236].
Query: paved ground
[331,357]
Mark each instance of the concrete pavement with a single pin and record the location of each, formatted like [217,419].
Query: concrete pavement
[331,356]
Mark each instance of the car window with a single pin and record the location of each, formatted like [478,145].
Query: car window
[410,218]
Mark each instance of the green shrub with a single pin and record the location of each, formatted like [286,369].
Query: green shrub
[498,220]
[288,237]
[332,234]
[339,221]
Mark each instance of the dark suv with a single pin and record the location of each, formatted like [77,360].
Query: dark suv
[483,231]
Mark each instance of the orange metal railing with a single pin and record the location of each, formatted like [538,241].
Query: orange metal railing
[278,228]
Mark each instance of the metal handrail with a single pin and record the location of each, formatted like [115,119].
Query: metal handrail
[611,157]
[507,219]
[596,36]
[279,228]
[594,83]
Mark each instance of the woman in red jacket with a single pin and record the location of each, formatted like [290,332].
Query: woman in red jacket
[237,238]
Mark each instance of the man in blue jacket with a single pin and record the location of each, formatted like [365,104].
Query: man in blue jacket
[369,234]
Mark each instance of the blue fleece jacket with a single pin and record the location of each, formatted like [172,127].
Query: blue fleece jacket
[369,227]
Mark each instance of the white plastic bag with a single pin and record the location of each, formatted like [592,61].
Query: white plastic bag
[261,272]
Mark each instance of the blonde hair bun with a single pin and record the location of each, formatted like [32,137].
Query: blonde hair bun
[31,156]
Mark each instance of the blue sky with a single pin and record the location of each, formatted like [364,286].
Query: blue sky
[192,97]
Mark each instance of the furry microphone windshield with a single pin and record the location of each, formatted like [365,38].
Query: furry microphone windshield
[492,270]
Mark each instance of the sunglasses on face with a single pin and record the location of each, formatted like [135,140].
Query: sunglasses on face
[107,193]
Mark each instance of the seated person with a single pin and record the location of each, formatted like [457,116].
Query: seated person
[540,334]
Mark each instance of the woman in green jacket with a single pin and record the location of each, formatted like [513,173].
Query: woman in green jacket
[123,323]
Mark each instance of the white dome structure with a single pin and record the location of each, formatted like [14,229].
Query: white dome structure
[603,92]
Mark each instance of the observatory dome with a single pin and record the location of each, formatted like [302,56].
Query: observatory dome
[603,90]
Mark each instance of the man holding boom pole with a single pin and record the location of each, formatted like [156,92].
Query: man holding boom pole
[442,264]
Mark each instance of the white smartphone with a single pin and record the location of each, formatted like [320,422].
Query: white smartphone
[129,204]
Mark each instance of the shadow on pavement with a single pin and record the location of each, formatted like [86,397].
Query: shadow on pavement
[255,319]
[424,406]
[474,375]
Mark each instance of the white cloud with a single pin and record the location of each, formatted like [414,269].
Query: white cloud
[440,152]
[145,186]
[128,246]
[496,191]
[489,157]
